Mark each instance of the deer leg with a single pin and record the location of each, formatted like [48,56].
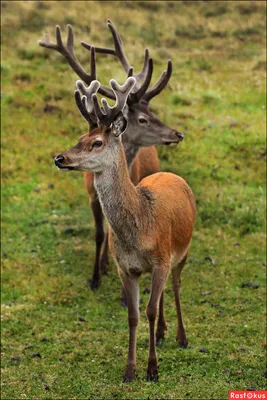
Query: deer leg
[123,297]
[131,287]
[99,238]
[162,325]
[104,258]
[176,284]
[159,277]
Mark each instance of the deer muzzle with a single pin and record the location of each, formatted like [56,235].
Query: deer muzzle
[59,162]
[176,137]
[180,136]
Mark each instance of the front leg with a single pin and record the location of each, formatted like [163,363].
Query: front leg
[159,277]
[131,287]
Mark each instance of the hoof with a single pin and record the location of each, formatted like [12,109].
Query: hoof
[159,340]
[160,333]
[94,284]
[103,266]
[129,374]
[152,376]
[152,373]
[183,343]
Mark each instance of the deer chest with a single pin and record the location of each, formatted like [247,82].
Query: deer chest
[130,258]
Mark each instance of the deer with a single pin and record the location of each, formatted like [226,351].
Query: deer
[151,224]
[144,129]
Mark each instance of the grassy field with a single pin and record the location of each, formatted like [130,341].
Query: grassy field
[61,340]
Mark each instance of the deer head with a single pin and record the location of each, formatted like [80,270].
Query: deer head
[144,128]
[99,148]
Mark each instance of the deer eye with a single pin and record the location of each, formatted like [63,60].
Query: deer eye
[142,120]
[97,144]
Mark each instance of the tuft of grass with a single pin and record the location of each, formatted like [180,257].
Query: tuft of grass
[149,5]
[249,31]
[34,20]
[216,10]
[176,99]
[192,31]
[210,97]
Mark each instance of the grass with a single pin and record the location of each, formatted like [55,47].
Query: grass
[59,339]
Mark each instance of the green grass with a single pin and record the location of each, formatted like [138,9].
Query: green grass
[216,97]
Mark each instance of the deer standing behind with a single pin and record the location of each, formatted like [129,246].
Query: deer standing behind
[151,224]
[143,129]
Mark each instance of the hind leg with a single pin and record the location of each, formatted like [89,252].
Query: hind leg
[162,325]
[176,284]
[99,238]
[104,258]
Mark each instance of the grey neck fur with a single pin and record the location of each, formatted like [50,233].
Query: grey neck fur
[131,151]
[128,209]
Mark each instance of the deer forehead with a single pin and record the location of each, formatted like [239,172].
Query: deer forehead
[86,141]
[91,135]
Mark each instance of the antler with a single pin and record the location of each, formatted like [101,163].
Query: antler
[85,103]
[118,51]
[160,84]
[68,52]
[139,92]
[106,114]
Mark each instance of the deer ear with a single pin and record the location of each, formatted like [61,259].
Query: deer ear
[119,125]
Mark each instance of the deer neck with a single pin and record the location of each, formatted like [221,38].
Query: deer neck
[131,151]
[119,198]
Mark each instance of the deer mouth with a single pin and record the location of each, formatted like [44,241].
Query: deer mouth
[179,138]
[173,143]
[65,168]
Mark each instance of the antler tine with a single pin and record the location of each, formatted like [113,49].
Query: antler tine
[139,77]
[160,84]
[93,62]
[130,72]
[68,52]
[81,106]
[119,46]
[105,105]
[87,93]
[85,103]
[135,96]
[121,93]
[100,50]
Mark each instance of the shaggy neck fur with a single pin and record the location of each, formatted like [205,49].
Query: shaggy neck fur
[131,151]
[122,203]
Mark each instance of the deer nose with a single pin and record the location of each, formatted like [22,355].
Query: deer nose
[58,160]
[179,135]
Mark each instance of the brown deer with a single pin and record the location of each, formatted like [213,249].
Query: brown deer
[151,224]
[143,129]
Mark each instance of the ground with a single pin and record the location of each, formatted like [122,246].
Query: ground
[60,339]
